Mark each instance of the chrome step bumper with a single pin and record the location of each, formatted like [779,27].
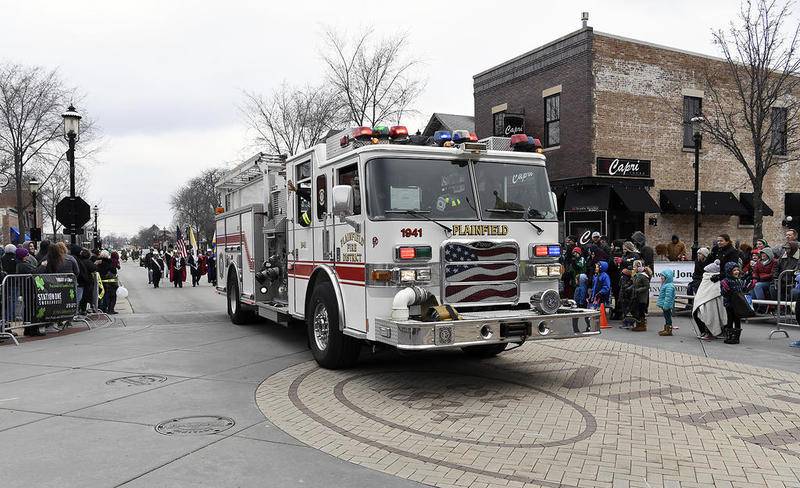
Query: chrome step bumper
[493,327]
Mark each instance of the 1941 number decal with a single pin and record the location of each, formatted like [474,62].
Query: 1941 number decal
[409,232]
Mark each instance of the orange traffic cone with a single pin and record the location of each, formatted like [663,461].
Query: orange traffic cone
[603,319]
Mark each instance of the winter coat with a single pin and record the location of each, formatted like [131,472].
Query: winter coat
[9,263]
[178,269]
[27,265]
[156,265]
[730,285]
[641,287]
[108,273]
[582,290]
[202,266]
[697,274]
[728,254]
[676,251]
[645,251]
[788,261]
[762,272]
[666,297]
[601,285]
[578,266]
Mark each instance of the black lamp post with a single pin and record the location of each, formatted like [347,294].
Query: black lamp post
[72,130]
[33,186]
[697,123]
[96,235]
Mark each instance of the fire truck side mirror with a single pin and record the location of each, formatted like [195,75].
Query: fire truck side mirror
[342,196]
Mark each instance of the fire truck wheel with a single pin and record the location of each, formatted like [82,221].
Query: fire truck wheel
[330,347]
[235,312]
[485,351]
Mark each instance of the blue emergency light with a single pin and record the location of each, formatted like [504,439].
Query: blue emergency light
[460,136]
[442,136]
[554,251]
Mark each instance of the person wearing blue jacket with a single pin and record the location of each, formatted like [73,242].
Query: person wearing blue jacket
[601,285]
[666,301]
[582,291]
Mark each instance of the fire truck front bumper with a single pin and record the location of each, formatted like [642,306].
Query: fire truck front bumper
[477,328]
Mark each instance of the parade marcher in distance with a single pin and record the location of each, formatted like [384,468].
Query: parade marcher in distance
[666,300]
[155,267]
[193,269]
[212,268]
[202,265]
[178,270]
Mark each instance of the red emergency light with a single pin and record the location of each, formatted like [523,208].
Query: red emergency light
[362,133]
[473,137]
[519,139]
[398,132]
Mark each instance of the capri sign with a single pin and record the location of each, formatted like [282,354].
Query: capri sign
[630,168]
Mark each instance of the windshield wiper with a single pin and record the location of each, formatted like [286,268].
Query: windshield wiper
[539,230]
[421,213]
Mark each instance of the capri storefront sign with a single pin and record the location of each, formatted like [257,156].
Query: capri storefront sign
[630,168]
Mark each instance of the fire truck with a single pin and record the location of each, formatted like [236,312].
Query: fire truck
[380,237]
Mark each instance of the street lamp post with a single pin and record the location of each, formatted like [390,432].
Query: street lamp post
[72,130]
[697,123]
[34,185]
[96,235]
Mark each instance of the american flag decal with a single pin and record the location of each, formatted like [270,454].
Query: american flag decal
[507,251]
[481,272]
[505,292]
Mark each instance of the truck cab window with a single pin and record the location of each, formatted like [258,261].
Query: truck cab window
[348,175]
[322,196]
[303,173]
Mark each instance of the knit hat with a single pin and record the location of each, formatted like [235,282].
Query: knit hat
[578,250]
[704,251]
[104,254]
[10,248]
[713,267]
[22,252]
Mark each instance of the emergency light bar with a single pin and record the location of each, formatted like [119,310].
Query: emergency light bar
[525,143]
[440,137]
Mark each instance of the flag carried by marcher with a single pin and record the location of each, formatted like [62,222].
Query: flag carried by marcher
[180,244]
[192,240]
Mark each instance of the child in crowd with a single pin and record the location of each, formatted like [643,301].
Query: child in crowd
[641,295]
[582,291]
[730,285]
[666,301]
[601,286]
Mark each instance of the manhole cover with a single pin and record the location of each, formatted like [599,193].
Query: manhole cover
[138,380]
[196,425]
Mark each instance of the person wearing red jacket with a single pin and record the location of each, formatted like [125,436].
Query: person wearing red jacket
[762,274]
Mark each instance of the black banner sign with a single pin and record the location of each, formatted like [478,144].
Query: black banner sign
[54,297]
[637,168]
[513,124]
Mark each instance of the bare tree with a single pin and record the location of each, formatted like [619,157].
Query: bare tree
[194,203]
[150,236]
[31,102]
[374,79]
[55,186]
[291,119]
[752,107]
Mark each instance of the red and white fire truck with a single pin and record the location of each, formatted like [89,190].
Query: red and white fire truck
[378,237]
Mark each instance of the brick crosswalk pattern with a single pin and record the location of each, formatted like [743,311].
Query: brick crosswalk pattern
[575,413]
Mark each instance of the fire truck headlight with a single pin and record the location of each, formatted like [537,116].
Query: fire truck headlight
[555,270]
[408,275]
[542,271]
[424,274]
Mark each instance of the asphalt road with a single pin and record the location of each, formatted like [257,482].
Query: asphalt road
[80,410]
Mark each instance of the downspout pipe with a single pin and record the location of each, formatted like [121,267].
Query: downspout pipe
[412,295]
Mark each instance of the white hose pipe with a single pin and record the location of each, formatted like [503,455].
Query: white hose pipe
[412,295]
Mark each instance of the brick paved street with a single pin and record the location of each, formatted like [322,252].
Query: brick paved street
[568,413]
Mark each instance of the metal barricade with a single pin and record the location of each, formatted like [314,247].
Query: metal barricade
[93,312]
[786,313]
[18,308]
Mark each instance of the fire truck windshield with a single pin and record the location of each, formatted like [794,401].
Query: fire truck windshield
[510,191]
[435,188]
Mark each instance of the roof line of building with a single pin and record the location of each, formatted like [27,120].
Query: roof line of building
[659,46]
[528,53]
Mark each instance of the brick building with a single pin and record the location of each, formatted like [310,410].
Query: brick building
[613,115]
[8,213]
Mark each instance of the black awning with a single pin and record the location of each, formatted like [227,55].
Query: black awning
[746,199]
[637,200]
[587,199]
[713,203]
[791,204]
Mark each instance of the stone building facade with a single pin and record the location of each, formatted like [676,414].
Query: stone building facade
[613,110]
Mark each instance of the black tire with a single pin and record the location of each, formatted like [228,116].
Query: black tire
[485,351]
[334,350]
[235,310]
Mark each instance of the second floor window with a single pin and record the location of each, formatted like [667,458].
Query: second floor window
[692,107]
[552,120]
[499,119]
[778,128]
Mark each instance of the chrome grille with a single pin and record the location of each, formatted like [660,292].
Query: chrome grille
[480,272]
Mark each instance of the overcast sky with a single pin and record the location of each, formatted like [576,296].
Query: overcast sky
[163,79]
